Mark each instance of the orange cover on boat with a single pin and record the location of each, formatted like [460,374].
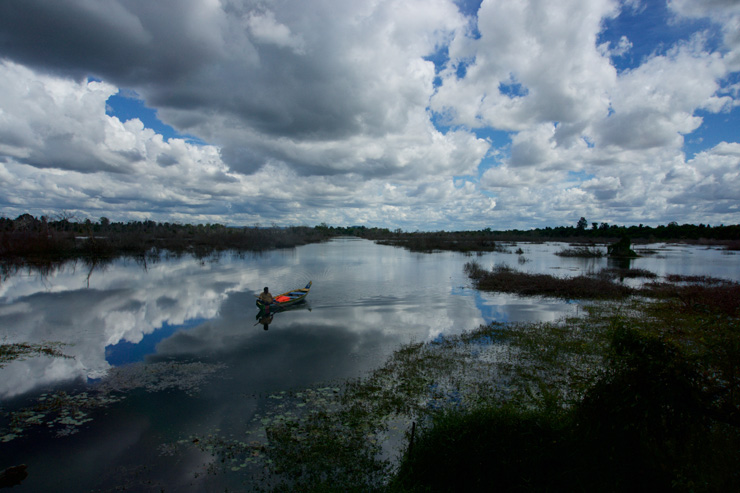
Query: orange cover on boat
[281,299]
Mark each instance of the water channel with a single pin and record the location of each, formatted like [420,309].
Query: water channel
[175,344]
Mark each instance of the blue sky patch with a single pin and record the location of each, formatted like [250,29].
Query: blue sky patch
[652,29]
[129,107]
[716,128]
[513,90]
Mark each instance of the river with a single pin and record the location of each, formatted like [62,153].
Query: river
[168,349]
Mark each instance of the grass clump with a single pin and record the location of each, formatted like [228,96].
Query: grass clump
[583,251]
[508,280]
[22,350]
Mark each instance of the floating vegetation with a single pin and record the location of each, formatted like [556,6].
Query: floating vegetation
[22,350]
[156,377]
[301,440]
[583,251]
[65,413]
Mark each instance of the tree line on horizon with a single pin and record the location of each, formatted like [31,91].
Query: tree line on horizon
[65,235]
[581,231]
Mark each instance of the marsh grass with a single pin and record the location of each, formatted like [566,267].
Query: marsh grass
[23,350]
[620,273]
[507,280]
[641,391]
[442,241]
[582,251]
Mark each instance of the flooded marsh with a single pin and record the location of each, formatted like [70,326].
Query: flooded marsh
[161,373]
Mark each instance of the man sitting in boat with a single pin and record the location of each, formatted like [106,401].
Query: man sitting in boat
[266,297]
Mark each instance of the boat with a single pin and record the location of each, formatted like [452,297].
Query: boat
[285,299]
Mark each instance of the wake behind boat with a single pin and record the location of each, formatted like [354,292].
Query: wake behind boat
[286,299]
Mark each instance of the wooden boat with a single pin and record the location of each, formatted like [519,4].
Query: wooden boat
[285,299]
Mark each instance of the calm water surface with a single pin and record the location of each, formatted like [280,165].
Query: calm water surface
[177,346]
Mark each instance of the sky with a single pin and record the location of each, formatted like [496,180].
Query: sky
[414,114]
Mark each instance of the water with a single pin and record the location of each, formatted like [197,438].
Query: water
[168,350]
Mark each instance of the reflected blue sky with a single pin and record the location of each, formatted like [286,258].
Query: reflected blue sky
[124,352]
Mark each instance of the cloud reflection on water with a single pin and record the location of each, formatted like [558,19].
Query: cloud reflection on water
[381,295]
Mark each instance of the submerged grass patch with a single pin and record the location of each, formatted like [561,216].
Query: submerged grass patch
[22,350]
[65,412]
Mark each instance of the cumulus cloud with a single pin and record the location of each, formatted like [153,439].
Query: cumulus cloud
[547,48]
[362,113]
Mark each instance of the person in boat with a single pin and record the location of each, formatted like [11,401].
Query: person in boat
[266,297]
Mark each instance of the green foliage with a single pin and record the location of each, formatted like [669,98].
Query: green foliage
[27,240]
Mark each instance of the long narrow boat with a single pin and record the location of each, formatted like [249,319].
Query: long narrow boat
[286,299]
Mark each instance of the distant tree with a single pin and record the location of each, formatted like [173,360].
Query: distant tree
[622,248]
[582,224]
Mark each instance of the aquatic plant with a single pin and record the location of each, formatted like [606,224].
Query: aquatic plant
[65,412]
[508,280]
[583,251]
[22,350]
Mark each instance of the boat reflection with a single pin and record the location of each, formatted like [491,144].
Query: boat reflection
[266,317]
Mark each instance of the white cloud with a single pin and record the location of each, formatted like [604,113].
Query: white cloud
[547,47]
[624,45]
[323,111]
[266,29]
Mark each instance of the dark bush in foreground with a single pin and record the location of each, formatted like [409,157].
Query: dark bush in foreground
[646,425]
[489,449]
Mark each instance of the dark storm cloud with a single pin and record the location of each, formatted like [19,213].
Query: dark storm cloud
[181,55]
[125,42]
